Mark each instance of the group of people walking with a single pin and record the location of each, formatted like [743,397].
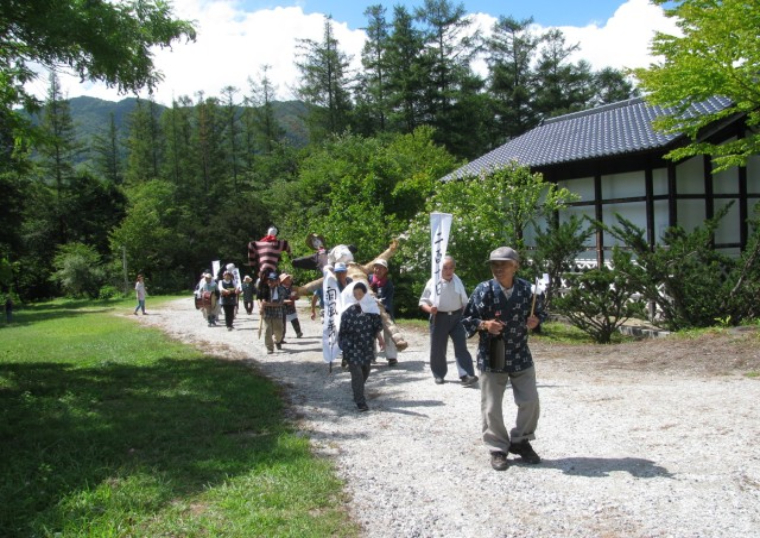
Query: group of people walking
[501,311]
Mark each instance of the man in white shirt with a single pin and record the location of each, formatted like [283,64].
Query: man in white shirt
[446,322]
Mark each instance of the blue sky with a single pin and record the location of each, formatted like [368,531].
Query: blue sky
[236,38]
[544,12]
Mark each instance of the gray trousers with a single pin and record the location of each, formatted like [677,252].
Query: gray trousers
[442,327]
[492,387]
[359,375]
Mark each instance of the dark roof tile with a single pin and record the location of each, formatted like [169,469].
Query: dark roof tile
[609,130]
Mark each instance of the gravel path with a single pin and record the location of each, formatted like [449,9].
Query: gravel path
[625,454]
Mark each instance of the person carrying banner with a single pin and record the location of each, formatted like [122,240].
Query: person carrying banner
[359,323]
[499,311]
[446,322]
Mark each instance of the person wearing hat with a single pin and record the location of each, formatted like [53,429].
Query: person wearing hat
[446,322]
[501,312]
[289,312]
[208,291]
[248,289]
[271,307]
[382,287]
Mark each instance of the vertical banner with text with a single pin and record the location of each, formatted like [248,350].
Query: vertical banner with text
[440,226]
[331,318]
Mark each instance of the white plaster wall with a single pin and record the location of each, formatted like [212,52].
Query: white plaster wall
[690,177]
[584,187]
[624,185]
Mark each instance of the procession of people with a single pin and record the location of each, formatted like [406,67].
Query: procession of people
[357,314]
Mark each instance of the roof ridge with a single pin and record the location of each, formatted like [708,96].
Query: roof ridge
[595,110]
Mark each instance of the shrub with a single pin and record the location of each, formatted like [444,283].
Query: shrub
[598,302]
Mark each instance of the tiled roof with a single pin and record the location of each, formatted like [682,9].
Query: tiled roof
[609,130]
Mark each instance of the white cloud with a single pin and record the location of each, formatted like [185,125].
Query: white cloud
[232,45]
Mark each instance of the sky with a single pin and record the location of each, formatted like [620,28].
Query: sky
[236,38]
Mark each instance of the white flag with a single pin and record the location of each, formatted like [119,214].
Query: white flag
[440,226]
[331,318]
[215,266]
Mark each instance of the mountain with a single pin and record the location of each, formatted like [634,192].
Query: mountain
[92,115]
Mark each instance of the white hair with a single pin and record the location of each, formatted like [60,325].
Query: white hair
[272,231]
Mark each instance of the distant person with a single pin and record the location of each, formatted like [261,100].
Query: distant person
[500,310]
[249,290]
[208,291]
[359,324]
[228,293]
[140,292]
[446,322]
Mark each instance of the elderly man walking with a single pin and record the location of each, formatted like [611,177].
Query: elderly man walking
[501,311]
[446,322]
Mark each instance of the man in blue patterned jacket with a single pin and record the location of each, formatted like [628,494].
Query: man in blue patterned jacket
[500,311]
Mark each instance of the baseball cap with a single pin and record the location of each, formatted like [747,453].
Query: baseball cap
[504,254]
[381,262]
[272,276]
[340,267]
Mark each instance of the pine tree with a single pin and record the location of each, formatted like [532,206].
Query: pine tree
[324,84]
[107,148]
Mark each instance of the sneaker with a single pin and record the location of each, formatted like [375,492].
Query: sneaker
[439,381]
[362,407]
[278,346]
[525,451]
[392,362]
[468,380]
[499,461]
[229,328]
[299,335]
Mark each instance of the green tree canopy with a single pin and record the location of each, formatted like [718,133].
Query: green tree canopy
[718,54]
[101,41]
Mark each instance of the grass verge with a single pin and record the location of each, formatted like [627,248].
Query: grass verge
[111,429]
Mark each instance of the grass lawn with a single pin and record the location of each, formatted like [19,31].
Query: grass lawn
[111,429]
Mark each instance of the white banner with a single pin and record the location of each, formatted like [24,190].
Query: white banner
[236,278]
[331,318]
[440,226]
[215,266]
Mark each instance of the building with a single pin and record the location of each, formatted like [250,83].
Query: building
[612,158]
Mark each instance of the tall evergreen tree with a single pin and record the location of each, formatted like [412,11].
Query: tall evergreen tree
[107,148]
[562,86]
[268,134]
[145,143]
[325,84]
[512,47]
[372,89]
[409,71]
[231,118]
[178,166]
[58,150]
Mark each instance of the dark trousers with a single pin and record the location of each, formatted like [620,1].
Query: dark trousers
[229,314]
[248,306]
[442,327]
[359,375]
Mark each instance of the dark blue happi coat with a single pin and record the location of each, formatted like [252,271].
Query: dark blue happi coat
[357,333]
[488,302]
